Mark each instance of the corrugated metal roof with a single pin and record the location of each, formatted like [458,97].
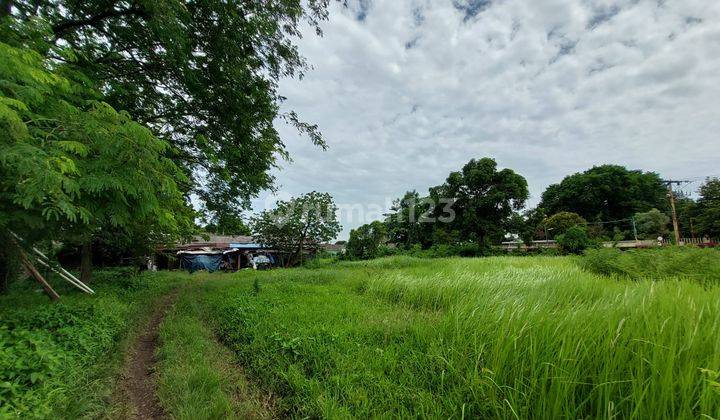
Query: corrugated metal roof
[220,241]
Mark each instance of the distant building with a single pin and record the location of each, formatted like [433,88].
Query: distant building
[338,248]
[216,252]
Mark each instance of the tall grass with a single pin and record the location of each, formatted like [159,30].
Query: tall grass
[495,337]
[198,378]
[700,265]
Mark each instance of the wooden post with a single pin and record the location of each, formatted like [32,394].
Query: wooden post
[35,273]
[676,228]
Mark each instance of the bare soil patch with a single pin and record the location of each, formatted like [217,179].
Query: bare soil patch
[139,379]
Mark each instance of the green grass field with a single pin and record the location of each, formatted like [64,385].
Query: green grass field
[501,337]
[495,337]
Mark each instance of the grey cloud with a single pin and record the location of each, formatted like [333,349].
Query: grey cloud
[400,114]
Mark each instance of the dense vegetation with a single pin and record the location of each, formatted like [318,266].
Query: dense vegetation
[59,360]
[687,264]
[501,337]
[481,206]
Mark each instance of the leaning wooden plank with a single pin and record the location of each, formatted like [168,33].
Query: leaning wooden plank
[35,273]
[77,283]
[64,271]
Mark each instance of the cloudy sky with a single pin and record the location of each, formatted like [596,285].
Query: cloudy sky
[406,91]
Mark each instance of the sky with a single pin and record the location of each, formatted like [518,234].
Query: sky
[406,91]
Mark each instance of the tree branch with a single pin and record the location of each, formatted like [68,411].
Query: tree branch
[69,25]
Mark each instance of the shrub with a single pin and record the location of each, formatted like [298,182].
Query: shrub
[127,278]
[469,249]
[574,241]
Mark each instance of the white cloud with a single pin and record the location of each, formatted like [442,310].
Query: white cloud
[415,89]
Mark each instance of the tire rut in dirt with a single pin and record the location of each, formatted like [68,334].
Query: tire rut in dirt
[140,379]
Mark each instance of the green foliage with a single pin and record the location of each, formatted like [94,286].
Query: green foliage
[652,224]
[687,211]
[559,223]
[202,75]
[607,192]
[406,226]
[71,165]
[484,200]
[365,241]
[708,209]
[49,353]
[575,240]
[476,204]
[700,265]
[527,225]
[227,224]
[302,223]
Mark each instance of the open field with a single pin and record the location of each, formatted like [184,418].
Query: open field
[494,337]
[502,337]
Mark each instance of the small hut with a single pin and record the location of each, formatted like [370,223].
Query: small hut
[215,252]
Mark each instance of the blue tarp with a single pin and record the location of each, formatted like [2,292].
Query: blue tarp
[195,262]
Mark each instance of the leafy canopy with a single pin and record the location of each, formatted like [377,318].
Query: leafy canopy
[203,75]
[708,208]
[70,162]
[575,240]
[365,241]
[607,192]
[484,200]
[652,224]
[559,223]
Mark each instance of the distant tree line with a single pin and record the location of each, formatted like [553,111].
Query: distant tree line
[480,206]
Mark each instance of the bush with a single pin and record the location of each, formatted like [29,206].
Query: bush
[574,241]
[702,265]
[469,249]
[126,278]
[561,222]
[41,347]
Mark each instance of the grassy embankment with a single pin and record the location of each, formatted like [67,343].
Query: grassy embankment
[494,337]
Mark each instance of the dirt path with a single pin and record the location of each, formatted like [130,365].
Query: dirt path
[140,382]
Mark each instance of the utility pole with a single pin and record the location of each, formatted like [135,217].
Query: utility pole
[634,229]
[671,195]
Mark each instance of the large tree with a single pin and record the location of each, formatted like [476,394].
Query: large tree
[408,223]
[484,198]
[203,75]
[607,192]
[70,164]
[708,209]
[651,224]
[559,223]
[300,224]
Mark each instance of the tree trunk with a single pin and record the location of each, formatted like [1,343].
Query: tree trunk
[86,261]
